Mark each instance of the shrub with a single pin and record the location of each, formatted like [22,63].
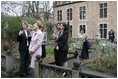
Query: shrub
[72,47]
[50,50]
[106,61]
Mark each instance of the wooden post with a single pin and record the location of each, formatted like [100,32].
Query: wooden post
[37,69]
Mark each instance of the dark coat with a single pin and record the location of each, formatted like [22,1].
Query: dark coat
[61,53]
[23,40]
[62,41]
[111,36]
[24,54]
[85,47]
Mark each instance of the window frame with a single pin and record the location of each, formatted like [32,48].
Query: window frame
[59,15]
[82,27]
[82,12]
[103,10]
[69,14]
[102,29]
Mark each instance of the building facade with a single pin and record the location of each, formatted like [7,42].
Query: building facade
[93,16]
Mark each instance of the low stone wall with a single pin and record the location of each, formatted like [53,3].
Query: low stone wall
[46,70]
[8,62]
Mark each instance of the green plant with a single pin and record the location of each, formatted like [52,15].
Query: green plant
[30,20]
[15,67]
[10,27]
[50,50]
[106,47]
[72,47]
[49,29]
[106,61]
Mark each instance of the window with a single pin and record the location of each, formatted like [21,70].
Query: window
[83,27]
[69,14]
[103,10]
[103,30]
[82,12]
[59,15]
[70,30]
[58,2]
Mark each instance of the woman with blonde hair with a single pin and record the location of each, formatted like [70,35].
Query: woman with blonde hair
[35,47]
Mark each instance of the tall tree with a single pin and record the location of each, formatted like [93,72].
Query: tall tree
[46,10]
[38,9]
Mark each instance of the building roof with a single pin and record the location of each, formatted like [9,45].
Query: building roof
[63,3]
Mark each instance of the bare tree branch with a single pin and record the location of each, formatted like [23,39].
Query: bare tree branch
[10,7]
[37,9]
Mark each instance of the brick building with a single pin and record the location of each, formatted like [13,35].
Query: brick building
[94,16]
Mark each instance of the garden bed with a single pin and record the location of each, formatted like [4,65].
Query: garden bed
[106,61]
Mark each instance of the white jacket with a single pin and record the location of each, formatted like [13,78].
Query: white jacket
[36,42]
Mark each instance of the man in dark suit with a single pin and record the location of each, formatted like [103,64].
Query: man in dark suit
[62,45]
[24,39]
[111,35]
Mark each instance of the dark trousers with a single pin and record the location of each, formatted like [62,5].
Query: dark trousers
[57,58]
[24,61]
[43,51]
[112,40]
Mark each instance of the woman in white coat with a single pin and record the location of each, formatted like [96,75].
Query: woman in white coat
[35,47]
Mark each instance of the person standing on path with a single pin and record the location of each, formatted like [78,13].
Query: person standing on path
[35,47]
[24,39]
[62,45]
[56,36]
